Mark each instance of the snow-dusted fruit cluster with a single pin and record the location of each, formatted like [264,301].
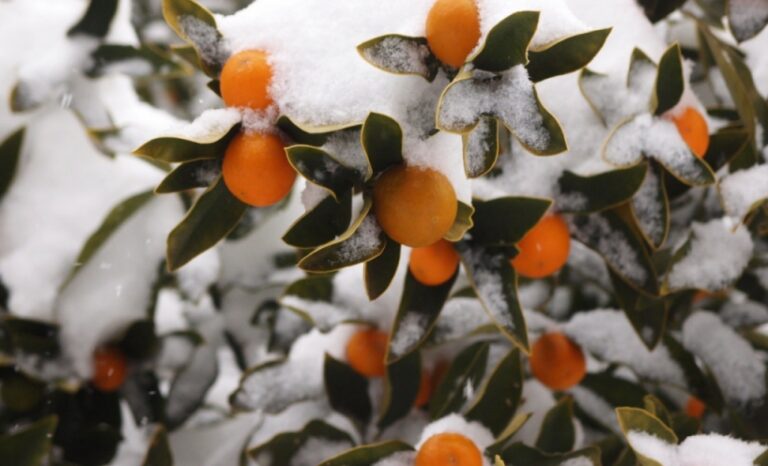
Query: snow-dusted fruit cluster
[384,233]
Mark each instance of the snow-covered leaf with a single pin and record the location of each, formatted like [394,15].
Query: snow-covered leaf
[190,175]
[324,222]
[367,455]
[401,55]
[401,385]
[747,18]
[650,207]
[481,147]
[215,213]
[380,271]
[498,398]
[463,222]
[495,282]
[208,144]
[322,169]
[276,385]
[316,438]
[585,194]
[507,43]
[420,307]
[744,190]
[504,221]
[466,370]
[312,135]
[97,19]
[383,142]
[347,391]
[10,151]
[636,423]
[670,82]
[197,26]
[30,445]
[565,55]
[558,433]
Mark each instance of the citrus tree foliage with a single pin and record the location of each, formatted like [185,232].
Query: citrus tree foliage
[659,301]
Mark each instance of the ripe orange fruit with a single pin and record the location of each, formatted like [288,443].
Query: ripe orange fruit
[414,206]
[449,449]
[108,369]
[695,407]
[693,129]
[425,389]
[433,265]
[453,30]
[256,169]
[544,249]
[245,79]
[557,362]
[366,351]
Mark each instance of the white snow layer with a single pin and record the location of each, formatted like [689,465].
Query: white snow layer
[696,450]
[743,189]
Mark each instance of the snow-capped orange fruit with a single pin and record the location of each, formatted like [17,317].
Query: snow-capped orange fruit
[434,264]
[109,369]
[693,129]
[453,30]
[544,249]
[426,386]
[449,448]
[366,351]
[245,80]
[557,362]
[415,206]
[256,169]
[695,408]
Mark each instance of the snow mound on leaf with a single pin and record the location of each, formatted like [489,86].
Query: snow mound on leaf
[741,190]
[696,450]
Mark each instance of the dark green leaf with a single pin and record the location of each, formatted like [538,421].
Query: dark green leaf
[656,10]
[650,207]
[32,336]
[670,82]
[367,455]
[401,386]
[558,434]
[10,151]
[159,453]
[172,149]
[481,147]
[566,55]
[505,220]
[648,315]
[322,224]
[190,175]
[507,43]
[30,445]
[322,169]
[499,397]
[401,55]
[383,142]
[519,454]
[96,20]
[313,136]
[725,146]
[380,271]
[214,214]
[585,194]
[280,449]
[347,391]
[467,368]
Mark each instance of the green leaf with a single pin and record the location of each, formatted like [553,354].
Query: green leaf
[367,455]
[159,453]
[499,397]
[519,454]
[96,20]
[505,220]
[481,147]
[507,43]
[197,26]
[585,194]
[656,10]
[495,282]
[704,388]
[639,420]
[363,241]
[725,146]
[401,386]
[555,136]
[558,434]
[281,449]
[419,309]
[31,336]
[383,142]
[173,149]
[214,214]
[347,391]
[400,54]
[190,175]
[566,55]
[10,151]
[620,246]
[30,445]
[160,62]
[670,82]
[467,368]
[648,315]
[111,223]
[462,224]
[322,169]
[650,207]
[327,220]
[313,136]
[380,271]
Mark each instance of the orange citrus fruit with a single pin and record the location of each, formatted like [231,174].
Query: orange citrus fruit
[256,169]
[449,449]
[435,264]
[245,79]
[693,129]
[557,362]
[366,351]
[414,206]
[109,369]
[453,30]
[695,407]
[544,249]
